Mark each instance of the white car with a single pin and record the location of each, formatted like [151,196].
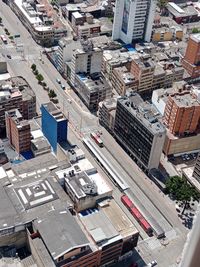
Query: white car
[58,81]
[152,264]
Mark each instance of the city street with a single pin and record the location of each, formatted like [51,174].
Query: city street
[82,123]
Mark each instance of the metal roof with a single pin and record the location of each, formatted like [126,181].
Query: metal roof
[60,232]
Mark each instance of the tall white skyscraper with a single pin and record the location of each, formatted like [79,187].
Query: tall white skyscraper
[133,20]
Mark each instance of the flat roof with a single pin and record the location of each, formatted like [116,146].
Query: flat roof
[60,232]
[143,112]
[195,37]
[98,225]
[35,193]
[118,218]
[96,85]
[7,211]
[54,111]
[33,20]
[37,134]
[176,7]
[77,15]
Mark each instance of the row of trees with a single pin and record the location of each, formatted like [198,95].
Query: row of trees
[51,93]
[179,189]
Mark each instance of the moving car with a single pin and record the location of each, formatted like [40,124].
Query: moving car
[58,81]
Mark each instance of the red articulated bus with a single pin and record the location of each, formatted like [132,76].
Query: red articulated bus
[136,214]
[96,138]
[126,201]
[146,226]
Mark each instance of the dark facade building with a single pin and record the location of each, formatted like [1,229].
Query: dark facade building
[138,130]
[54,125]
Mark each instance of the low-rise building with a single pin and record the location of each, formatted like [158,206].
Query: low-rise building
[162,34]
[175,145]
[110,229]
[182,14]
[40,20]
[85,190]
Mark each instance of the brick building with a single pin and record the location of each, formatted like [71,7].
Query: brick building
[18,131]
[16,93]
[182,113]
[143,70]
[191,60]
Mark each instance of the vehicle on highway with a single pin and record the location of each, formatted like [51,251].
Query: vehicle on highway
[3,38]
[9,56]
[152,264]
[137,215]
[69,100]
[63,86]
[58,80]
[96,138]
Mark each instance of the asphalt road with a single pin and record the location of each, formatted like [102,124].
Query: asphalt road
[82,123]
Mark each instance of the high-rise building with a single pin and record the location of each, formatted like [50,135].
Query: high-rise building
[54,125]
[18,131]
[191,60]
[138,130]
[143,70]
[182,113]
[16,94]
[133,20]
[86,60]
[84,74]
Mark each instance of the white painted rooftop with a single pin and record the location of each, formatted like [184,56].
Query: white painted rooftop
[102,186]
[36,134]
[2,173]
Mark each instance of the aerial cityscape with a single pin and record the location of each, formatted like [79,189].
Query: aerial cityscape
[99,133]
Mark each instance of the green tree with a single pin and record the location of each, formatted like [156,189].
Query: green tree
[195,30]
[40,78]
[52,94]
[33,67]
[162,3]
[181,190]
